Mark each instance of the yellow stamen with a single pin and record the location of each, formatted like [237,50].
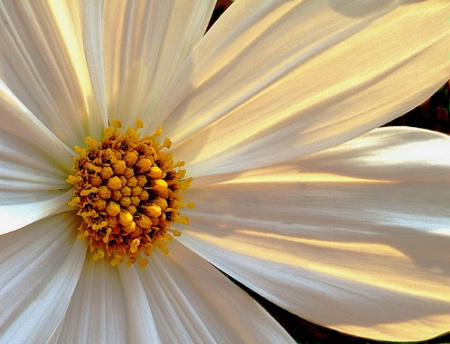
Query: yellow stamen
[113,208]
[127,192]
[119,167]
[99,226]
[99,255]
[153,210]
[114,183]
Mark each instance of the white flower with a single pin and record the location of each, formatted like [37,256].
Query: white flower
[351,233]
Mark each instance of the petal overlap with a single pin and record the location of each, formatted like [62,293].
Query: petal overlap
[192,301]
[351,235]
[44,64]
[34,165]
[143,49]
[348,232]
[40,267]
[272,79]
[97,310]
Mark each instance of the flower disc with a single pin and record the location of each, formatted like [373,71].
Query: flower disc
[127,191]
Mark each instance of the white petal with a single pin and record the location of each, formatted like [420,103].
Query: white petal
[390,154]
[40,266]
[24,136]
[345,241]
[275,78]
[42,61]
[144,45]
[193,302]
[97,312]
[19,212]
[54,337]
[141,325]
[82,26]
[34,166]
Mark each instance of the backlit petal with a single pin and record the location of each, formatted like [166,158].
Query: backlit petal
[193,302]
[145,42]
[273,79]
[40,266]
[17,212]
[34,164]
[141,325]
[97,311]
[341,238]
[43,62]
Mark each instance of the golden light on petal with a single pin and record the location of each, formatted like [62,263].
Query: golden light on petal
[344,254]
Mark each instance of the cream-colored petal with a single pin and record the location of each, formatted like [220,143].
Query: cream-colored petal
[26,208]
[22,134]
[34,164]
[141,324]
[97,312]
[389,154]
[341,238]
[192,302]
[54,337]
[40,266]
[81,21]
[43,62]
[275,78]
[145,42]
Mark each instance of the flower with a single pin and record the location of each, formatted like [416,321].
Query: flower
[270,111]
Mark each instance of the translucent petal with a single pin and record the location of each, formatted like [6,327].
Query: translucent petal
[193,302]
[97,311]
[141,325]
[360,231]
[273,79]
[144,44]
[40,266]
[19,212]
[34,166]
[43,62]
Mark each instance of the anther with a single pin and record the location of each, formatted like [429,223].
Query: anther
[127,192]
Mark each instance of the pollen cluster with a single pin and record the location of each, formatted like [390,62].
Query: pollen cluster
[127,192]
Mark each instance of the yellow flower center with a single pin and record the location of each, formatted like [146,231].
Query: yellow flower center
[127,192]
